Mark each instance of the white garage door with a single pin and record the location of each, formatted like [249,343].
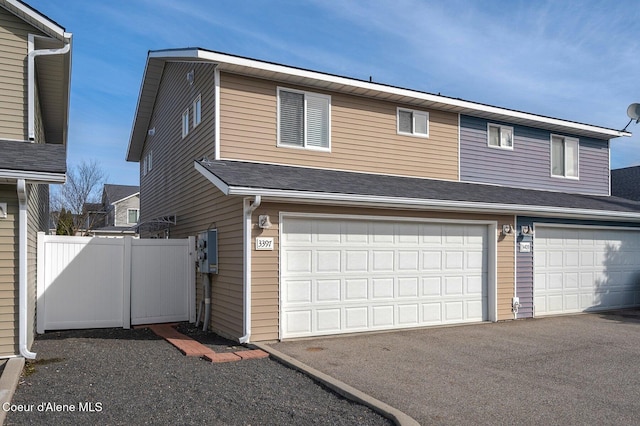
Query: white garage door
[344,276]
[580,269]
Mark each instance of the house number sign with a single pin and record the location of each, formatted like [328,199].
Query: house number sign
[263,243]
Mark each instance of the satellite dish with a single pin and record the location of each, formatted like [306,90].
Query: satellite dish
[634,112]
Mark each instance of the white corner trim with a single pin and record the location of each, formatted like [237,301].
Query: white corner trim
[216,111]
[213,178]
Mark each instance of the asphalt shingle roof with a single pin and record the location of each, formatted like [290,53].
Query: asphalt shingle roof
[625,183]
[280,177]
[118,192]
[33,157]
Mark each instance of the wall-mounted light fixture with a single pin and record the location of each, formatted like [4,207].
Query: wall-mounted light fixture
[3,210]
[526,230]
[152,131]
[507,229]
[191,76]
[264,222]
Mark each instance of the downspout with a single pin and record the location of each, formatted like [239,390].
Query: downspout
[31,80]
[249,208]
[22,271]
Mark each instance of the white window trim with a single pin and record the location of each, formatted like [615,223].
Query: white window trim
[413,112]
[185,123]
[500,126]
[565,138]
[197,118]
[128,211]
[305,93]
[144,166]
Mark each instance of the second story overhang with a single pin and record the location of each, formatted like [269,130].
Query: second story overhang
[324,81]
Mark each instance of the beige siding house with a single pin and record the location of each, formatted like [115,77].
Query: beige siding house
[337,202]
[34,107]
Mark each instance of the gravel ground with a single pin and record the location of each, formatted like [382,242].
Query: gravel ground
[117,377]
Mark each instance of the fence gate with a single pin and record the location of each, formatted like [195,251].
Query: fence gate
[94,282]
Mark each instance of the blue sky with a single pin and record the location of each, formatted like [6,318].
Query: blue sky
[575,60]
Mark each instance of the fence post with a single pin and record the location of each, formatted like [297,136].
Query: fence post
[40,306]
[126,283]
[191,276]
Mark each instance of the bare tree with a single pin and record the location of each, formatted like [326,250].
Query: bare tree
[82,188]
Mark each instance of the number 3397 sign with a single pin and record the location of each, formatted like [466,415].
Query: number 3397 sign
[263,243]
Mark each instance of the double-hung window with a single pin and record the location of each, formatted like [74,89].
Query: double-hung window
[197,111]
[185,123]
[499,136]
[304,119]
[564,156]
[133,215]
[414,123]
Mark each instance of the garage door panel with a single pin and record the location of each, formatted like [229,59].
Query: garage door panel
[596,271]
[381,275]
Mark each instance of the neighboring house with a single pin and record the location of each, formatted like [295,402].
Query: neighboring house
[34,108]
[117,214]
[345,206]
[625,183]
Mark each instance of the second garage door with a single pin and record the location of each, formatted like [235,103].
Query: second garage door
[348,275]
[582,269]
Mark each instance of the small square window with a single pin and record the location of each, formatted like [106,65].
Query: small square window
[415,123]
[197,111]
[499,136]
[185,123]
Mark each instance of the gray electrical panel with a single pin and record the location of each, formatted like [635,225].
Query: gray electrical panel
[207,249]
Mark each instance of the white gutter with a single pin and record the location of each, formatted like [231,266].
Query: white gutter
[420,203]
[23,303]
[248,208]
[33,177]
[31,79]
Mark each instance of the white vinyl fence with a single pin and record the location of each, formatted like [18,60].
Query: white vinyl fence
[94,282]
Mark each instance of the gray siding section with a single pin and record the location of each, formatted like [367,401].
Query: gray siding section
[122,210]
[528,165]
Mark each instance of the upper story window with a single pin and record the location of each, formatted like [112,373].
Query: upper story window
[197,111]
[414,123]
[564,156]
[499,136]
[147,163]
[304,119]
[185,123]
[133,215]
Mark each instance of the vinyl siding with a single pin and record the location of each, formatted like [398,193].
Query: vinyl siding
[363,133]
[174,187]
[14,36]
[265,291]
[122,210]
[38,219]
[9,273]
[528,165]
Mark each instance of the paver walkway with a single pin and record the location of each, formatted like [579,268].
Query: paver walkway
[191,347]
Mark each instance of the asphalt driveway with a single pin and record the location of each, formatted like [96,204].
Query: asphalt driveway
[582,369]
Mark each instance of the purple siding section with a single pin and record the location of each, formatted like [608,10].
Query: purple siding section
[524,272]
[528,165]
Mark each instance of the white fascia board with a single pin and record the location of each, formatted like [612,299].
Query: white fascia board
[223,187]
[39,177]
[125,198]
[276,68]
[49,25]
[419,203]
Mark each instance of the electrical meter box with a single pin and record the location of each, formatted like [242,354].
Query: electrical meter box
[207,249]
